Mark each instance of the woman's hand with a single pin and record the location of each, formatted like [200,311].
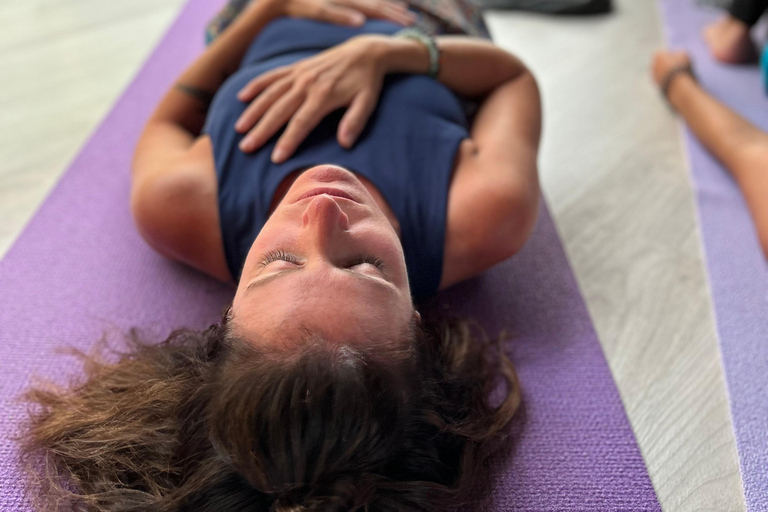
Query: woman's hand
[347,12]
[302,94]
[665,61]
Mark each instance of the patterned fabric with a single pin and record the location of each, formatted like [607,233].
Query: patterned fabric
[435,17]
[450,17]
[222,20]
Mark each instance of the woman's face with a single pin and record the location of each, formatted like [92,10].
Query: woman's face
[327,262]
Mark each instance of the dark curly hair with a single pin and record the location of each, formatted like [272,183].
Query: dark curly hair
[205,421]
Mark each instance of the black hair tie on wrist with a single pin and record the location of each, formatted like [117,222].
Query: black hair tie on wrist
[674,73]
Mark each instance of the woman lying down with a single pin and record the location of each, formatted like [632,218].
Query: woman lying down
[320,155]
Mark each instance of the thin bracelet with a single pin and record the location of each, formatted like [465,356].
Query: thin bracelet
[429,42]
[673,73]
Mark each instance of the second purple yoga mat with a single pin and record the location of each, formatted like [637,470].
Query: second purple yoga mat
[80,269]
[738,274]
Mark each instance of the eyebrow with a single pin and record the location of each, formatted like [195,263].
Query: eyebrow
[261,282]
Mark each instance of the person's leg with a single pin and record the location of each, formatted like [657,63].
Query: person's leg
[740,146]
[728,39]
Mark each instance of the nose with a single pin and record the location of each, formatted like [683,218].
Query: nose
[325,216]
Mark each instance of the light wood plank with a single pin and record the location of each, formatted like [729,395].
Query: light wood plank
[64,64]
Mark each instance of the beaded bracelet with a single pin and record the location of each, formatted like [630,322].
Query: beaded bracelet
[428,41]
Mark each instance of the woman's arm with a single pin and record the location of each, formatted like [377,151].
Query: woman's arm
[173,194]
[469,66]
[180,116]
[350,75]
[494,196]
[739,145]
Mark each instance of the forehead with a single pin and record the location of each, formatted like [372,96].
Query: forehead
[340,306]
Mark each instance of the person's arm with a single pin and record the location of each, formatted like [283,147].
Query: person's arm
[178,119]
[350,75]
[730,137]
[494,196]
[740,146]
[469,66]
[173,182]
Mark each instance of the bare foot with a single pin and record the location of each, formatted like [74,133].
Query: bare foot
[729,41]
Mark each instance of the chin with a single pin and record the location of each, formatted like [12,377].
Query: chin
[332,180]
[329,173]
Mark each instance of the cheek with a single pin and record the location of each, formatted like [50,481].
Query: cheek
[378,238]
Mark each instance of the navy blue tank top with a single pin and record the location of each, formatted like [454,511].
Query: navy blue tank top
[407,149]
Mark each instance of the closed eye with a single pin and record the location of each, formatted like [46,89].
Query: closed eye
[370,260]
[281,255]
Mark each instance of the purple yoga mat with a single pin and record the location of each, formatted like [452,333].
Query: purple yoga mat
[80,269]
[738,274]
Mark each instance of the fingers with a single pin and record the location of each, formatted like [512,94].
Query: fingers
[356,117]
[274,119]
[258,84]
[341,15]
[393,11]
[678,56]
[302,123]
[383,9]
[255,110]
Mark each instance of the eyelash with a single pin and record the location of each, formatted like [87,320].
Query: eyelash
[371,260]
[281,255]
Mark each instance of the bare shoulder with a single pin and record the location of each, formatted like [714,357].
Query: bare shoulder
[494,194]
[488,220]
[175,207]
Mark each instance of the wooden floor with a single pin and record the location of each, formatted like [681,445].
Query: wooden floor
[613,171]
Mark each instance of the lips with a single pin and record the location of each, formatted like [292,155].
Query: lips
[334,192]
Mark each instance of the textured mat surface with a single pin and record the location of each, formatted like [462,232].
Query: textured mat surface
[79,269]
[738,273]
